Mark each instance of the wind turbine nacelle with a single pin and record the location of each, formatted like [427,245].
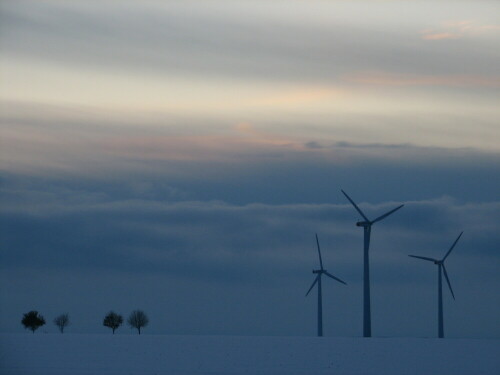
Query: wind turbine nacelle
[316,271]
[362,224]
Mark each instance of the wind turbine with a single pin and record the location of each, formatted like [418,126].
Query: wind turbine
[441,269]
[367,228]
[319,273]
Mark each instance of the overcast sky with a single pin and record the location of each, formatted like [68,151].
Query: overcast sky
[179,157]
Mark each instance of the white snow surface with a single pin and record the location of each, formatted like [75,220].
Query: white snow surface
[57,354]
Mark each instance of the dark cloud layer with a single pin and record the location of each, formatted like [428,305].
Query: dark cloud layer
[68,154]
[69,234]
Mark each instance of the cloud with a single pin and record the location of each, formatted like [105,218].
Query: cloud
[79,139]
[430,35]
[206,237]
[154,155]
[315,45]
[302,96]
[371,145]
[313,145]
[458,30]
[401,80]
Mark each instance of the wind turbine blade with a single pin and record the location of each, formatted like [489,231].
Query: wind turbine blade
[387,214]
[355,206]
[335,278]
[452,246]
[448,281]
[424,258]
[319,252]
[314,283]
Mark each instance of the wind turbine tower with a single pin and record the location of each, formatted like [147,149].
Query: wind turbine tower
[319,273]
[441,270]
[367,228]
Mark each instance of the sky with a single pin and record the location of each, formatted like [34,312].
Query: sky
[179,157]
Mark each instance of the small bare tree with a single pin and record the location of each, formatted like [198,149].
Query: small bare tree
[137,320]
[62,321]
[113,321]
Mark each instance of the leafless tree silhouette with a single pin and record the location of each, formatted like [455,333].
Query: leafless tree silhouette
[62,321]
[137,320]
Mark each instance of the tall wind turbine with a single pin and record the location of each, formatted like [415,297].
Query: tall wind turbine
[367,228]
[441,269]
[319,273]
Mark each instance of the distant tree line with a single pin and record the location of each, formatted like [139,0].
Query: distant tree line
[137,319]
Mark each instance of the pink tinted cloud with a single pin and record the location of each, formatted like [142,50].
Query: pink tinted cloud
[246,140]
[437,36]
[457,30]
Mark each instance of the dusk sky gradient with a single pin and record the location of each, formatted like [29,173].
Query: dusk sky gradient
[178,157]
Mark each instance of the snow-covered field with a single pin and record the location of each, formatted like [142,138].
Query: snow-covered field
[56,354]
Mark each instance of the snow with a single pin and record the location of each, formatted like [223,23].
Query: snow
[56,354]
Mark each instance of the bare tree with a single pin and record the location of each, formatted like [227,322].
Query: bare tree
[32,320]
[62,321]
[137,320]
[113,321]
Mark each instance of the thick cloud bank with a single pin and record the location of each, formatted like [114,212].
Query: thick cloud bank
[245,257]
